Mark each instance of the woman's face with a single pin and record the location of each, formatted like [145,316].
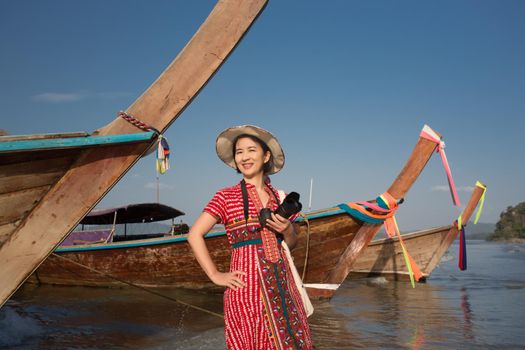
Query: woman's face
[250,157]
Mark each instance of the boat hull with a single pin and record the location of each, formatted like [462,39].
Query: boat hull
[168,262]
[155,263]
[384,257]
[323,237]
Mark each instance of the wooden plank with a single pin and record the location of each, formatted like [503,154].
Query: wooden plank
[17,205]
[97,171]
[73,142]
[21,157]
[7,229]
[385,256]
[10,138]
[32,174]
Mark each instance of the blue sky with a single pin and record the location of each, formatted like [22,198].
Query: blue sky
[346,86]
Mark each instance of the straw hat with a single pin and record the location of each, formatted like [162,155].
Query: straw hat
[224,145]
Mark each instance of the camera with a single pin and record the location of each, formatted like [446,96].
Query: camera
[288,207]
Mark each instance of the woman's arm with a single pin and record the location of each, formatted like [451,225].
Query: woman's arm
[200,228]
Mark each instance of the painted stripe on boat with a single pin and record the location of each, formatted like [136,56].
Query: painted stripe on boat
[141,243]
[162,240]
[328,286]
[22,145]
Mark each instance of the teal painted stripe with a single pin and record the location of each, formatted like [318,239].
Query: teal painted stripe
[119,245]
[248,242]
[71,142]
[358,215]
[178,239]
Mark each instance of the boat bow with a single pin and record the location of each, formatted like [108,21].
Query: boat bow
[94,172]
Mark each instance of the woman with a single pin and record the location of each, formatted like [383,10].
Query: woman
[262,306]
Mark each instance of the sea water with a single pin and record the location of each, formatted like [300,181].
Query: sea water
[481,308]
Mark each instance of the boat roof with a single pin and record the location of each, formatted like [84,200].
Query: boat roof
[131,213]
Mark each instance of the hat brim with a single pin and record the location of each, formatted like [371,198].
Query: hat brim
[224,145]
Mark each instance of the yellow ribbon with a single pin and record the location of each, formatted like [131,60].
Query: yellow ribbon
[480,205]
[481,200]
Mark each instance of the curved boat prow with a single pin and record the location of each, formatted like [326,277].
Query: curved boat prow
[417,161]
[96,171]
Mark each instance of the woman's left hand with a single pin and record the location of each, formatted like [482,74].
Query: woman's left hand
[279,224]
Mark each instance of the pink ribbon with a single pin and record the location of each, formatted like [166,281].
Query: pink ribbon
[374,207]
[441,151]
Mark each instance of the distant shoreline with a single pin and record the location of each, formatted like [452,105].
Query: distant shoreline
[511,240]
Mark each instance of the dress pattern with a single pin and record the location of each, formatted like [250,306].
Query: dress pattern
[268,312]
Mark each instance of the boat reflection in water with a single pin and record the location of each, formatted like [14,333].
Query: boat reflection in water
[478,308]
[376,313]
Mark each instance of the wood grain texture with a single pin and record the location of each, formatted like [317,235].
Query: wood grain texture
[95,172]
[406,178]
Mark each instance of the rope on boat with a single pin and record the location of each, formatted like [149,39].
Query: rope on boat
[136,122]
[140,287]
[307,244]
[163,149]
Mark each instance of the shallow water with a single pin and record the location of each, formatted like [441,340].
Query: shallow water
[482,307]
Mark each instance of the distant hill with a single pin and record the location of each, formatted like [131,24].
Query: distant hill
[482,230]
[511,225]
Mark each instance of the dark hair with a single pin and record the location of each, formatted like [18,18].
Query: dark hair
[268,166]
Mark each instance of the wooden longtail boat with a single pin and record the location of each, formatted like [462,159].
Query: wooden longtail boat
[48,185]
[338,239]
[384,257]
[169,262]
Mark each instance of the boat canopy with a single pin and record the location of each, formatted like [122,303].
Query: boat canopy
[132,213]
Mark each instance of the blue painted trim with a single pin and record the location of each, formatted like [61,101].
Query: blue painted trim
[72,142]
[131,244]
[172,240]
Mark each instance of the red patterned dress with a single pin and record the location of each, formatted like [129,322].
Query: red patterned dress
[268,312]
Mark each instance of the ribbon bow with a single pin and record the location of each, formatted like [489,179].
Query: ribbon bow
[429,134]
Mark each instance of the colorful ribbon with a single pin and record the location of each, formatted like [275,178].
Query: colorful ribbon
[163,155]
[462,262]
[388,202]
[481,201]
[384,213]
[429,134]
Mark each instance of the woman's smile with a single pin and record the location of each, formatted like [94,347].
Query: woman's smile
[249,156]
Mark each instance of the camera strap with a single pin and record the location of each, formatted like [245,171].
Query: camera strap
[245,202]
[244,191]
[269,240]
